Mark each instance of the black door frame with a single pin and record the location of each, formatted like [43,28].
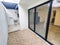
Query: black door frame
[48,19]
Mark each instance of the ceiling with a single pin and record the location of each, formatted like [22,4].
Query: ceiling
[28,2]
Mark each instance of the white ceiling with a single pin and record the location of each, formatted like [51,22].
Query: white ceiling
[28,1]
[56,4]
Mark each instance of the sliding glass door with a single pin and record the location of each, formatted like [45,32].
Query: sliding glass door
[39,18]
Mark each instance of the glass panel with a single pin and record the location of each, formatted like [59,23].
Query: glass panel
[32,19]
[41,19]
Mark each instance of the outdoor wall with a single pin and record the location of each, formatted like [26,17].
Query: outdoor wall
[3,26]
[14,12]
[12,15]
[23,17]
[57,18]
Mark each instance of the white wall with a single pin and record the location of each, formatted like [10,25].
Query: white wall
[3,26]
[23,17]
[14,12]
[12,15]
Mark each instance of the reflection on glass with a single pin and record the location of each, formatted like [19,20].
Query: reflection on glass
[41,19]
[32,19]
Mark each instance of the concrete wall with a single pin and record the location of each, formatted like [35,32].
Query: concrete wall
[3,26]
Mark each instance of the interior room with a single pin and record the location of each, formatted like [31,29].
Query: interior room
[54,28]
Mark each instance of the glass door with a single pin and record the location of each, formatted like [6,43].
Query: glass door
[41,19]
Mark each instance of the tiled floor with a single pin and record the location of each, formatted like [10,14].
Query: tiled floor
[25,37]
[54,34]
